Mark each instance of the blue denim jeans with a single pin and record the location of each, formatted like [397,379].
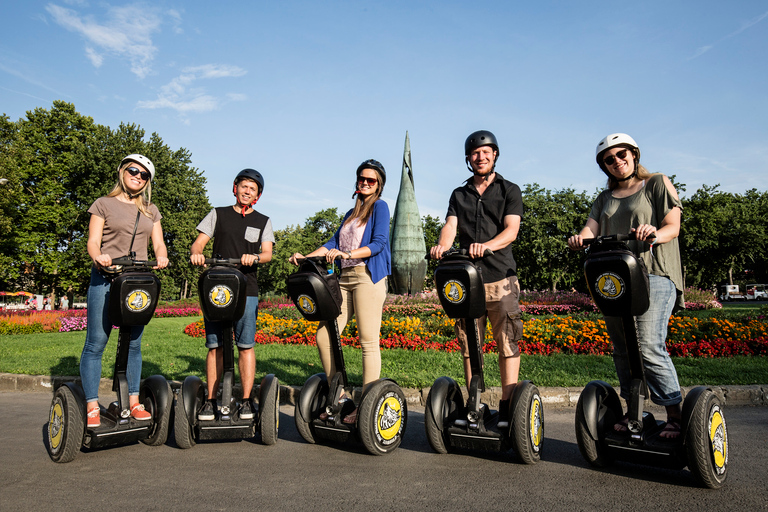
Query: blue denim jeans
[96,337]
[660,373]
[245,327]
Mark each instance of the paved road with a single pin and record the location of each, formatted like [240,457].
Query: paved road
[295,476]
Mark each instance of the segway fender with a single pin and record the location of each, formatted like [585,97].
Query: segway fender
[159,387]
[595,395]
[191,392]
[80,396]
[266,383]
[441,390]
[688,405]
[308,392]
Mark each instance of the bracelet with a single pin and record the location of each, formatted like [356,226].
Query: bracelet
[258,258]
[349,253]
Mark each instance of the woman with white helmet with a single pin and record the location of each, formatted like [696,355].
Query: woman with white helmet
[122,221]
[648,205]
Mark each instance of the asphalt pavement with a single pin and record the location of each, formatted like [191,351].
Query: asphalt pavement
[293,475]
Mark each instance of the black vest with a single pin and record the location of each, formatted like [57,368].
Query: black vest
[236,235]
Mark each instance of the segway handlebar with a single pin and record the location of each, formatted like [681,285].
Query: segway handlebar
[613,238]
[222,261]
[459,254]
[126,261]
[316,259]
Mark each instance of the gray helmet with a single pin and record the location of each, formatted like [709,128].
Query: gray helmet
[251,174]
[481,138]
[376,166]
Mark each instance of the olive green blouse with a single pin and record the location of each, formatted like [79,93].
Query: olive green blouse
[649,205]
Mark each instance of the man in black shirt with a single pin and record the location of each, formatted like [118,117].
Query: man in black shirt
[486,213]
[237,231]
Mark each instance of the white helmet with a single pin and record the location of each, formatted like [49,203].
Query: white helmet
[613,140]
[146,162]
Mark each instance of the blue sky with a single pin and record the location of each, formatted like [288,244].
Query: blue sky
[305,91]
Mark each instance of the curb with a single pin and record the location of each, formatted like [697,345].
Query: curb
[730,396]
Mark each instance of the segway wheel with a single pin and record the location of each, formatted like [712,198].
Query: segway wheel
[313,395]
[527,425]
[707,441]
[159,407]
[446,411]
[269,410]
[382,417]
[182,430]
[65,426]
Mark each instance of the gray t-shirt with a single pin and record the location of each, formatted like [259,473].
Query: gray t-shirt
[649,205]
[119,220]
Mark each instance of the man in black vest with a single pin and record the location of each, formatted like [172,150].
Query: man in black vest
[238,231]
[486,213]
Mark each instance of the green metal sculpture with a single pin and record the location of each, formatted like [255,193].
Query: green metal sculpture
[407,235]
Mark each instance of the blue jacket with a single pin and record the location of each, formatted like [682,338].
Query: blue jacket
[376,238]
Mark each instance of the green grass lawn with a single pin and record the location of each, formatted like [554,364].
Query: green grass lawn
[168,351]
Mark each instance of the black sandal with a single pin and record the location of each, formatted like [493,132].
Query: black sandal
[671,427]
[622,425]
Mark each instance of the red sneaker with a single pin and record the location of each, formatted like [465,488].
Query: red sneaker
[94,418]
[139,413]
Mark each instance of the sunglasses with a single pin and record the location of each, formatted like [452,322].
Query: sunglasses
[610,160]
[133,171]
[371,181]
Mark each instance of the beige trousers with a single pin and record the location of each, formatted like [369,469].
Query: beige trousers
[364,299]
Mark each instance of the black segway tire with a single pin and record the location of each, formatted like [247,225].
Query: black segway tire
[527,425]
[440,412]
[382,417]
[65,426]
[183,432]
[269,409]
[706,441]
[157,397]
[313,395]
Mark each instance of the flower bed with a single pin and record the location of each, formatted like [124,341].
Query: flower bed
[31,322]
[576,334]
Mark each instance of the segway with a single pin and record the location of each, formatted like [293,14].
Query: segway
[222,291]
[383,412]
[618,283]
[450,423]
[133,297]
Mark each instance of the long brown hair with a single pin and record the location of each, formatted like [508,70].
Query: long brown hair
[364,207]
[642,172]
[142,199]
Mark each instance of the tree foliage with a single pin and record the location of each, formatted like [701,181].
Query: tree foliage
[58,162]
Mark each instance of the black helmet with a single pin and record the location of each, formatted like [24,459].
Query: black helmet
[376,166]
[251,174]
[481,138]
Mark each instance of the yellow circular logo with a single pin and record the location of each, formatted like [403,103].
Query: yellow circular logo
[137,300]
[55,432]
[536,423]
[389,418]
[610,285]
[220,296]
[306,304]
[718,437]
[454,291]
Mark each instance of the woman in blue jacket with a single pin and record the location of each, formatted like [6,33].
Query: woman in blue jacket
[362,243]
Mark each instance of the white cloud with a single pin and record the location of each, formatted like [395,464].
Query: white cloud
[744,26]
[180,95]
[127,33]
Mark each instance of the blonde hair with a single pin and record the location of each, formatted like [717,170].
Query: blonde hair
[364,207]
[143,199]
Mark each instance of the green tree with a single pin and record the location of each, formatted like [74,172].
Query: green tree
[723,235]
[541,252]
[317,230]
[59,162]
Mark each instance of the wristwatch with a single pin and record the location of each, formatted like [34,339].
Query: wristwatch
[349,253]
[258,258]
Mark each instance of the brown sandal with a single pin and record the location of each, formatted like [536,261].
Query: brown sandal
[672,429]
[623,424]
